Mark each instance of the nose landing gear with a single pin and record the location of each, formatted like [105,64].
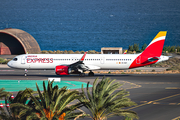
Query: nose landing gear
[25,72]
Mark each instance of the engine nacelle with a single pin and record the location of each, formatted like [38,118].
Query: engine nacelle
[62,70]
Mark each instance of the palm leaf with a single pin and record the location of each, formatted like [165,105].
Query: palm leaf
[106,101]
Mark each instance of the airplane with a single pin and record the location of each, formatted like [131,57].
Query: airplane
[66,64]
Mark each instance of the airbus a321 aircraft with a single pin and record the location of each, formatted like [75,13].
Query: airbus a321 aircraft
[65,64]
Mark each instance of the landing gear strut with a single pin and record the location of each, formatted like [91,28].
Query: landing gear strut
[25,73]
[91,73]
[82,74]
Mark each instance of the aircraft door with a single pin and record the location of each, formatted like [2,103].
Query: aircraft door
[102,60]
[23,59]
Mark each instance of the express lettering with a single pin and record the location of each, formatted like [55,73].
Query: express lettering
[39,60]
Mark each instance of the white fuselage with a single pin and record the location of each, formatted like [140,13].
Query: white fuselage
[93,61]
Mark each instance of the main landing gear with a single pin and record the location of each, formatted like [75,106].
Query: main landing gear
[25,72]
[82,74]
[90,73]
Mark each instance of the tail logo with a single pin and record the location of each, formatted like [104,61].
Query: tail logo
[153,50]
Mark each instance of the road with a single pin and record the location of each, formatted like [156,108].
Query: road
[157,96]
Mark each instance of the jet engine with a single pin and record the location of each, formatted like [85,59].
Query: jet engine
[62,70]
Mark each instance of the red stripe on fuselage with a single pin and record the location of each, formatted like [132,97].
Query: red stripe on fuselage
[154,50]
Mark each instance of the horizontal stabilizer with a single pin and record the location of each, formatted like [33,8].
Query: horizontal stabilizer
[153,59]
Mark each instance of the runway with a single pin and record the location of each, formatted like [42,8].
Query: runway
[157,96]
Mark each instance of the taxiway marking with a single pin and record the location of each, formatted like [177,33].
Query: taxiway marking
[6,70]
[154,101]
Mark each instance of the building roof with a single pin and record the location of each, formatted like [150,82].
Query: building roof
[27,41]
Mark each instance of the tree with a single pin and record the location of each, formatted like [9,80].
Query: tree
[105,102]
[172,49]
[3,93]
[166,48]
[17,108]
[54,103]
[144,47]
[136,47]
[130,48]
[178,48]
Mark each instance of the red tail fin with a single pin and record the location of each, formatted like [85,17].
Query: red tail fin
[154,49]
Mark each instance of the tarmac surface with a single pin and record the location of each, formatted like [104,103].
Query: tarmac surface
[157,96]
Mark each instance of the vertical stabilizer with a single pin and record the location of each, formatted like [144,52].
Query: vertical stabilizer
[153,50]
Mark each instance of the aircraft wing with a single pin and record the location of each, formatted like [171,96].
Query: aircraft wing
[79,64]
[93,67]
[77,67]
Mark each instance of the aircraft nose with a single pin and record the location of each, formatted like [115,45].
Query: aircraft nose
[9,63]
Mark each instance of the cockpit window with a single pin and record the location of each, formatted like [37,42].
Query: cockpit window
[15,59]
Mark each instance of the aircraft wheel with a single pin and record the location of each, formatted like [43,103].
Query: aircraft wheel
[91,74]
[25,74]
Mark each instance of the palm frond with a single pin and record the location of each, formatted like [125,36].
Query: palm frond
[3,93]
[106,101]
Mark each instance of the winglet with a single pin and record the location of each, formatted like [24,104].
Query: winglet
[83,57]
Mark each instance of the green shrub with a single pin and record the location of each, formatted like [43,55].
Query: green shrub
[3,61]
